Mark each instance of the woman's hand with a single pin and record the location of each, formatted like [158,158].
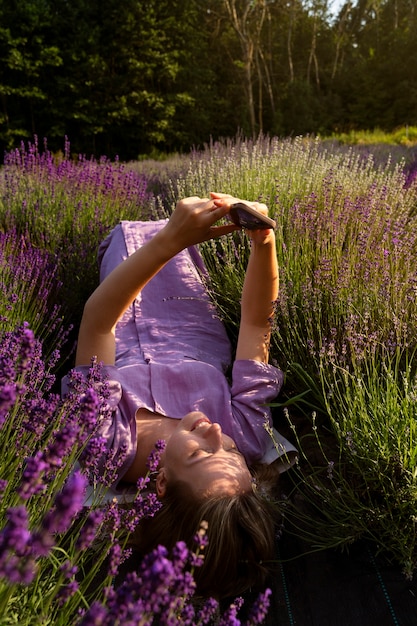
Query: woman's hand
[193,222]
[258,236]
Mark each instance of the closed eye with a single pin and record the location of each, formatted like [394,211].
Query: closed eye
[201,451]
[235,451]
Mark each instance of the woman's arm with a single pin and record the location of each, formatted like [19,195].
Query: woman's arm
[259,295]
[260,290]
[191,223]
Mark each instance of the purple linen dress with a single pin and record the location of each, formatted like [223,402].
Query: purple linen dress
[172,355]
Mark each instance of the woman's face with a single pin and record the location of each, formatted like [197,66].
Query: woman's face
[200,454]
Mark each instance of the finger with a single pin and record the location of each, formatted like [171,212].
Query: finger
[217,194]
[192,200]
[260,206]
[219,211]
[226,229]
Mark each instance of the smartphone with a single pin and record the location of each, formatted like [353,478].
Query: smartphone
[245,216]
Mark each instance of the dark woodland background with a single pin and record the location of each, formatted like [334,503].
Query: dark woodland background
[146,77]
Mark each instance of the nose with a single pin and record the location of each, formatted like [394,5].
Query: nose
[214,436]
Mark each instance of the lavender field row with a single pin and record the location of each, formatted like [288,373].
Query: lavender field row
[345,334]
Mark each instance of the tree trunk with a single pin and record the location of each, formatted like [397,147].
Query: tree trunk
[250,43]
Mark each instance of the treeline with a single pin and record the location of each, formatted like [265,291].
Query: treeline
[135,77]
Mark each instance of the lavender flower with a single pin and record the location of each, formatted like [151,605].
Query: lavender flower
[115,554]
[154,457]
[208,611]
[229,618]
[90,405]
[17,570]
[95,616]
[16,534]
[91,459]
[16,562]
[259,609]
[31,482]
[112,465]
[89,529]
[41,543]
[66,592]
[27,347]
[7,399]
[38,412]
[67,503]
[61,445]
[3,487]
[411,174]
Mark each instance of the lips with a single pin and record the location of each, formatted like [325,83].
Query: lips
[201,420]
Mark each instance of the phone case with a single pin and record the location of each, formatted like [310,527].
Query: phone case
[247,217]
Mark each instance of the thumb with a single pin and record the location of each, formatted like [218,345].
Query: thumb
[217,195]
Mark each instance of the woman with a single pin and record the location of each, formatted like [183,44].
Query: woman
[166,354]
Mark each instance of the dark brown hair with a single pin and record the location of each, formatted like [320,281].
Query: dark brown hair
[241,537]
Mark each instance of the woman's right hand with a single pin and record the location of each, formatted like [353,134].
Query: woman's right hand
[193,221]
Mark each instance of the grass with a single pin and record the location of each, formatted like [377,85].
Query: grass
[346,323]
[404,136]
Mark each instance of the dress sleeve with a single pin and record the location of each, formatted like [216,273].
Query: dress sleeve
[254,386]
[117,428]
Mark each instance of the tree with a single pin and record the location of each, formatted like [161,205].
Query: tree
[247,18]
[121,65]
[27,57]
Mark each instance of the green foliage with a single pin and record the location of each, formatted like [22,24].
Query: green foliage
[65,208]
[345,328]
[367,485]
[130,78]
[405,136]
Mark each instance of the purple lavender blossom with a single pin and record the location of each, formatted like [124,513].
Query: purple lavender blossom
[91,458]
[68,569]
[208,611]
[29,279]
[411,174]
[230,618]
[95,616]
[27,347]
[32,477]
[115,558]
[111,466]
[3,487]
[90,405]
[17,565]
[38,412]
[67,504]
[8,394]
[259,609]
[66,592]
[62,444]
[89,529]
[41,543]
[18,570]
[154,457]
[16,534]
[162,591]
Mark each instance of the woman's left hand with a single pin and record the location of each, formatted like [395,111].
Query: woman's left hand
[193,221]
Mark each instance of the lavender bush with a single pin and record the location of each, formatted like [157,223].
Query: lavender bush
[58,558]
[346,327]
[345,333]
[65,206]
[47,572]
